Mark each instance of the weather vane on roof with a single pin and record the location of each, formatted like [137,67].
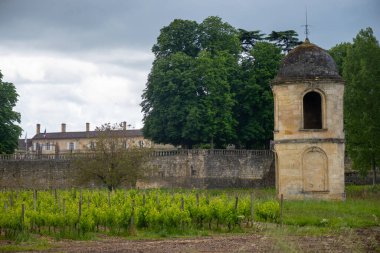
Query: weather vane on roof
[307,31]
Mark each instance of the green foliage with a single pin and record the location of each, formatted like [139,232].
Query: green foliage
[217,36]
[362,105]
[351,213]
[209,85]
[339,53]
[248,39]
[179,36]
[286,40]
[109,161]
[160,212]
[187,100]
[268,211]
[10,132]
[254,112]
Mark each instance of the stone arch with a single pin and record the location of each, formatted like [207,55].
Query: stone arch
[313,109]
[314,170]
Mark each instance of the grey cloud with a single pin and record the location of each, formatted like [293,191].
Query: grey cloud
[81,25]
[116,37]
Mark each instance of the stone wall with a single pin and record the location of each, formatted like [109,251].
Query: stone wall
[185,168]
[177,168]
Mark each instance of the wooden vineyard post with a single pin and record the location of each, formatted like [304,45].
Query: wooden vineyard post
[80,208]
[35,200]
[55,196]
[182,208]
[157,199]
[22,215]
[79,212]
[132,223]
[109,198]
[143,200]
[64,207]
[281,206]
[133,213]
[236,201]
[197,197]
[252,208]
[11,200]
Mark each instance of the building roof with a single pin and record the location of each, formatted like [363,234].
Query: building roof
[86,134]
[307,62]
[22,144]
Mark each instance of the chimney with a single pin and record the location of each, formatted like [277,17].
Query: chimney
[124,125]
[38,129]
[63,128]
[87,127]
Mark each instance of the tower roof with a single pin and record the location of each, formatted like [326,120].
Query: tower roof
[307,62]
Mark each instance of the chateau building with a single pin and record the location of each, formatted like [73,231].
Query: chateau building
[81,141]
[308,129]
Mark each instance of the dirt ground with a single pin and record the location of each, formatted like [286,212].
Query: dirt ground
[362,240]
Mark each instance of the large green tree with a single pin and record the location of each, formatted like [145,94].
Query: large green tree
[209,84]
[188,100]
[9,130]
[362,104]
[254,110]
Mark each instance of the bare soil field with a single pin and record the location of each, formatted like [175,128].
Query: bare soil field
[359,240]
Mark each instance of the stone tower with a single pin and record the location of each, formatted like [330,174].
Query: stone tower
[308,128]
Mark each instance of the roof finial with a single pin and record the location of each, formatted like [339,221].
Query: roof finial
[307,32]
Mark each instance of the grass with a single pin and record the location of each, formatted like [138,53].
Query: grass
[33,243]
[351,213]
[360,210]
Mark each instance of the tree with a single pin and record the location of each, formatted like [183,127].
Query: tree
[217,36]
[168,99]
[286,40]
[362,104]
[209,84]
[188,97]
[254,110]
[10,132]
[339,53]
[215,98]
[248,39]
[179,36]
[110,161]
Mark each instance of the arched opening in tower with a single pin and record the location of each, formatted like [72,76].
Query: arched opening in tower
[312,111]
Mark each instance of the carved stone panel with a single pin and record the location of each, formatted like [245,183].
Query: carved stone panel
[314,168]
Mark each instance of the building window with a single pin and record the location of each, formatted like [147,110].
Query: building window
[312,111]
[125,144]
[71,146]
[92,145]
[141,144]
[47,146]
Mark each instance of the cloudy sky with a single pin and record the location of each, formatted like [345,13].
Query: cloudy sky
[87,61]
